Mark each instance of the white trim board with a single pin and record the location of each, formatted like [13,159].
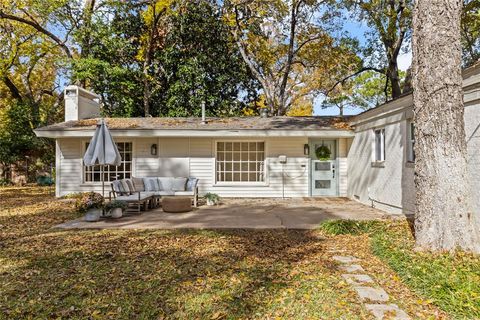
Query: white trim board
[144,133]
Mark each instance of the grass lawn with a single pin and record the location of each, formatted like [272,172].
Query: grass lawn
[124,274]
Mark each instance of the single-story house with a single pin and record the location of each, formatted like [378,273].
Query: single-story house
[368,157]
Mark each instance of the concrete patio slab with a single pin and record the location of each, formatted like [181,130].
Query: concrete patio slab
[306,213]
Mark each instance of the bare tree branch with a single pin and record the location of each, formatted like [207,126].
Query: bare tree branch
[39,28]
[382,71]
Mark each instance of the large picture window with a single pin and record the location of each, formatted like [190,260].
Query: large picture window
[111,173]
[240,161]
[380,145]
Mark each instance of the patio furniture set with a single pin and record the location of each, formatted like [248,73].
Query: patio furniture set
[174,194]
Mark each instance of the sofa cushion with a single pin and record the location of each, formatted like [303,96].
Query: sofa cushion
[191,183]
[151,184]
[124,186]
[184,193]
[166,183]
[118,187]
[179,184]
[138,184]
[130,185]
[164,193]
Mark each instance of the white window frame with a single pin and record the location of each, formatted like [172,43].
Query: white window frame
[410,141]
[84,168]
[381,153]
[241,183]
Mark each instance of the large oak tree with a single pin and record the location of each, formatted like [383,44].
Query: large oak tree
[444,218]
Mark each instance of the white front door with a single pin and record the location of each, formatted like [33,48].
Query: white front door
[324,168]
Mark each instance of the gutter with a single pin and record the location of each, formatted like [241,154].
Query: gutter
[196,133]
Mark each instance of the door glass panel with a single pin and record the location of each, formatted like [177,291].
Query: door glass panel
[322,166]
[322,184]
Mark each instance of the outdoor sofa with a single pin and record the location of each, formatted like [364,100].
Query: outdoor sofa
[146,192]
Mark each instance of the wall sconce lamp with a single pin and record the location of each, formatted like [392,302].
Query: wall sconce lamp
[153,150]
[306,149]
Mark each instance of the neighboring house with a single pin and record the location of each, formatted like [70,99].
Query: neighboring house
[371,155]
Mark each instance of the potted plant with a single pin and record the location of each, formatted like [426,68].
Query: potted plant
[90,203]
[212,199]
[116,208]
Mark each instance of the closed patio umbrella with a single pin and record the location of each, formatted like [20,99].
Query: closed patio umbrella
[102,151]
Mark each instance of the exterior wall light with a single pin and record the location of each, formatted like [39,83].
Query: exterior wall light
[306,149]
[153,150]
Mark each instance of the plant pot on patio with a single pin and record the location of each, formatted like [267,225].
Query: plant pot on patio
[91,204]
[93,215]
[212,199]
[116,208]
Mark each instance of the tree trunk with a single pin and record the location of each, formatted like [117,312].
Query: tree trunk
[444,219]
[392,74]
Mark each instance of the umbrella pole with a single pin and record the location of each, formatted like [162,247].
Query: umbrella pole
[103,179]
[102,170]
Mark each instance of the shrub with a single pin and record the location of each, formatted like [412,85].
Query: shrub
[44,181]
[5,183]
[354,227]
[89,200]
[73,195]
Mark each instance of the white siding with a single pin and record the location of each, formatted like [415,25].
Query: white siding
[388,186]
[195,157]
[343,147]
[146,164]
[472,131]
[391,187]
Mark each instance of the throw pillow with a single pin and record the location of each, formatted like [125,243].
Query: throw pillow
[130,185]
[191,182]
[124,187]
[118,187]
[165,183]
[179,184]
[151,184]
[138,184]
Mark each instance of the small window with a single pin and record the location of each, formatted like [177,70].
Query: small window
[380,145]
[411,141]
[240,162]
[111,173]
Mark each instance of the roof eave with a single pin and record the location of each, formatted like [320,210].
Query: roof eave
[140,133]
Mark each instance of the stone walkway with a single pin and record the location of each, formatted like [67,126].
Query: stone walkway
[373,296]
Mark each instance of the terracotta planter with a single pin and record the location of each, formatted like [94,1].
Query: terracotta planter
[116,213]
[93,215]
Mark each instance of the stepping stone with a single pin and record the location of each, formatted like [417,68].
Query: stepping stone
[357,279]
[345,259]
[351,268]
[387,311]
[371,294]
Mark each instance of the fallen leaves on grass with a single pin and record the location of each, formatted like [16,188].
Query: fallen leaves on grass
[48,273]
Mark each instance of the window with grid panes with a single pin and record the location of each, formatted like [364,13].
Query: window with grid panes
[240,161]
[123,171]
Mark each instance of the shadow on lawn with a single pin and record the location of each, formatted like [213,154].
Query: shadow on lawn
[178,274]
